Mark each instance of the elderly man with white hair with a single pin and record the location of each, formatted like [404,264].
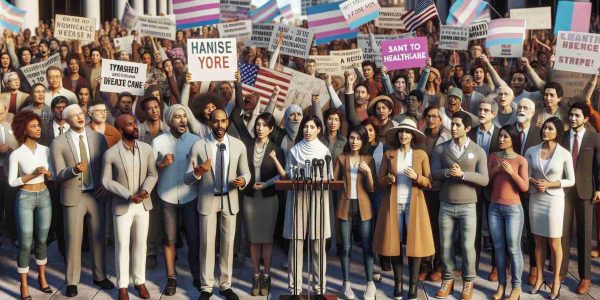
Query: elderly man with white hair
[507,109]
[178,200]
[14,99]
[77,157]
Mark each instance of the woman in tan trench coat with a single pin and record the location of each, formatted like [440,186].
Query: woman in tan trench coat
[404,173]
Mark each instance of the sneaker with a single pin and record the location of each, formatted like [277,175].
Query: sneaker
[348,293]
[370,291]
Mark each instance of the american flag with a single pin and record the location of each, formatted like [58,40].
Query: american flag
[262,81]
[414,18]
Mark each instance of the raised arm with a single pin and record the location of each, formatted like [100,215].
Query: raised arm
[333,95]
[538,82]
[496,79]
[315,107]
[424,75]
[275,56]
[386,81]
[270,108]
[349,98]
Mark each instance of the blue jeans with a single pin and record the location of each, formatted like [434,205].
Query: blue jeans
[461,218]
[33,212]
[506,227]
[366,235]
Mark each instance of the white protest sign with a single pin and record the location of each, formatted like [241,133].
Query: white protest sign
[302,87]
[536,18]
[573,84]
[241,30]
[296,40]
[74,28]
[36,73]
[212,59]
[124,43]
[327,64]
[364,43]
[359,12]
[577,52]
[158,27]
[454,37]
[123,76]
[129,17]
[261,35]
[478,30]
[507,50]
[348,59]
[389,18]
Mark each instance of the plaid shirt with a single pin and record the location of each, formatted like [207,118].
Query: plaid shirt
[45,114]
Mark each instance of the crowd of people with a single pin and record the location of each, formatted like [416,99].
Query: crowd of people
[465,155]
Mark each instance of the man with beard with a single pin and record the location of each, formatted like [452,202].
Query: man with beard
[530,136]
[129,173]
[81,195]
[218,199]
[55,88]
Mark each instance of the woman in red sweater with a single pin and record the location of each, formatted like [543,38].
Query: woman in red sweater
[508,176]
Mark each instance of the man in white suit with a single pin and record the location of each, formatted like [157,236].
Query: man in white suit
[218,198]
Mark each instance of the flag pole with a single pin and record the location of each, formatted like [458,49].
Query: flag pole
[488,4]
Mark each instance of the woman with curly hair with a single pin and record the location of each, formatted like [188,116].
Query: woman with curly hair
[29,167]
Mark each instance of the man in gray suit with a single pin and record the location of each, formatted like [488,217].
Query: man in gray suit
[218,198]
[77,158]
[129,173]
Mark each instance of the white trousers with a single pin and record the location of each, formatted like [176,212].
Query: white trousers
[296,258]
[132,226]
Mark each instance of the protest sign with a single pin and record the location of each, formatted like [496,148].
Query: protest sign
[36,73]
[124,43]
[123,76]
[212,59]
[129,17]
[507,50]
[359,12]
[74,28]
[389,18]
[348,59]
[537,17]
[261,35]
[577,52]
[296,40]
[505,37]
[158,27]
[573,84]
[302,87]
[364,43]
[478,30]
[234,10]
[241,30]
[327,64]
[404,53]
[454,37]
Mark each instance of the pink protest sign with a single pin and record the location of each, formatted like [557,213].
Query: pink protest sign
[404,53]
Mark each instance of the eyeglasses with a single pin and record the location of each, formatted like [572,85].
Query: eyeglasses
[102,111]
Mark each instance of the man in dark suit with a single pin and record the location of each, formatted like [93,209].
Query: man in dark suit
[486,136]
[8,143]
[584,145]
[530,136]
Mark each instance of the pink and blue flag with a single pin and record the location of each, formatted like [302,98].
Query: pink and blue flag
[573,16]
[266,13]
[463,12]
[11,17]
[196,13]
[505,31]
[286,9]
[328,23]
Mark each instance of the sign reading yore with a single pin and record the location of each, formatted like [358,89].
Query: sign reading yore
[74,28]
[454,37]
[36,73]
[123,76]
[212,59]
[296,40]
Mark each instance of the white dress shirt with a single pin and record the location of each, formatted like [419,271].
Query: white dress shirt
[74,136]
[525,133]
[215,148]
[60,92]
[56,128]
[459,150]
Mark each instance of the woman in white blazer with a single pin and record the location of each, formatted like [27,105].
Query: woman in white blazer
[550,170]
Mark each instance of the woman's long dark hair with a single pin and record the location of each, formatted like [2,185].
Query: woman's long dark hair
[513,132]
[305,120]
[269,120]
[364,137]
[560,129]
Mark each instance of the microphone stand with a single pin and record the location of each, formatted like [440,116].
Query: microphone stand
[295,188]
[322,227]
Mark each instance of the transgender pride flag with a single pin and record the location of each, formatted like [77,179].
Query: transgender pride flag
[463,12]
[505,31]
[266,13]
[573,16]
[328,23]
[11,17]
[196,13]
[286,9]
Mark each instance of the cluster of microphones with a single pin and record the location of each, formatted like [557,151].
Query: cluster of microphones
[312,170]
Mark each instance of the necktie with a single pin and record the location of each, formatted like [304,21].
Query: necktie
[247,118]
[522,137]
[575,151]
[85,176]
[218,171]
[60,130]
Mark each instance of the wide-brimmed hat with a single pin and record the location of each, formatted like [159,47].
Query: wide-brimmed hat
[372,103]
[391,135]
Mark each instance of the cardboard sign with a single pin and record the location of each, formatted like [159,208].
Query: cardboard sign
[348,59]
[296,40]
[241,30]
[261,35]
[123,76]
[478,30]
[359,12]
[124,43]
[302,87]
[454,37]
[389,18]
[577,52]
[129,17]
[36,73]
[536,18]
[74,28]
[573,84]
[404,53]
[327,64]
[212,59]
[158,27]
[364,43]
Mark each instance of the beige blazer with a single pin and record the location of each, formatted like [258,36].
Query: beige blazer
[21,99]
[10,139]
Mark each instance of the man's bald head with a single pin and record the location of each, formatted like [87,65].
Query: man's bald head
[219,123]
[218,113]
[123,119]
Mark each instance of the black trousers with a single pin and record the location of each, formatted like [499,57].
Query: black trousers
[482,207]
[582,210]
[432,198]
[8,223]
[530,240]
